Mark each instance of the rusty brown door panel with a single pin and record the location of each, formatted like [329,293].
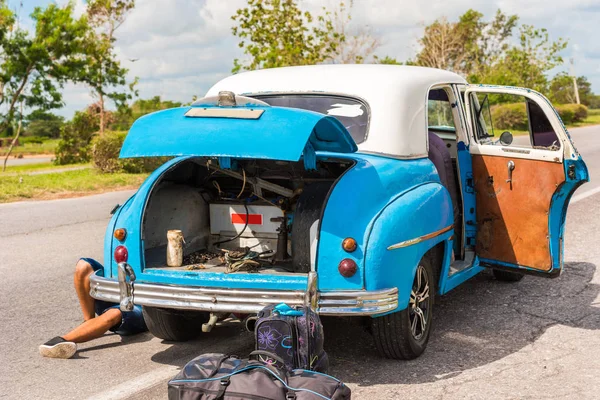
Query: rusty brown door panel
[512,218]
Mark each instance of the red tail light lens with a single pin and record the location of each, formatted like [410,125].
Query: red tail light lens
[347,267]
[121,254]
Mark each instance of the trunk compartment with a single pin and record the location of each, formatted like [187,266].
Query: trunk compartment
[258,216]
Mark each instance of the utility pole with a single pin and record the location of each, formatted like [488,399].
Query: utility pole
[575,87]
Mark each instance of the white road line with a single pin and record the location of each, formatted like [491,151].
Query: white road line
[138,384]
[584,195]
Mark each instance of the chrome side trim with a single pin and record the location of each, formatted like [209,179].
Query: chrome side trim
[248,301]
[394,156]
[410,242]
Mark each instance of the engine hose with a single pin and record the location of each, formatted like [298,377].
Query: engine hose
[241,232]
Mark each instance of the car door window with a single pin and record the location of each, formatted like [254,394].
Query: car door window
[440,118]
[439,112]
[511,120]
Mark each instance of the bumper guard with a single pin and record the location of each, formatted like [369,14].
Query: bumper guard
[250,301]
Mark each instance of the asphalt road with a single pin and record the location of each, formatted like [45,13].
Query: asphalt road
[537,338]
[27,160]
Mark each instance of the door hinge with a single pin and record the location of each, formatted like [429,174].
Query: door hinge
[571,172]
[469,182]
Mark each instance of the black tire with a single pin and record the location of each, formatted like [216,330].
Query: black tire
[507,276]
[392,333]
[308,210]
[174,325]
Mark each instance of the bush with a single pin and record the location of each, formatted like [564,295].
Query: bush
[594,101]
[581,112]
[510,116]
[105,156]
[105,151]
[566,113]
[76,137]
[571,113]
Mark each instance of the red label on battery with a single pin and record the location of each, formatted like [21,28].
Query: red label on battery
[253,219]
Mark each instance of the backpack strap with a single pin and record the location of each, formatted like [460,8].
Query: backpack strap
[218,365]
[279,369]
[223,388]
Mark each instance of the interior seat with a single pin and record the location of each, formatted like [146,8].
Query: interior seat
[440,157]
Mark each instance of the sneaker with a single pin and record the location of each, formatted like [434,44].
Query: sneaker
[58,348]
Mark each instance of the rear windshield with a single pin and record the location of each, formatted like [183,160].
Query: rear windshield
[352,113]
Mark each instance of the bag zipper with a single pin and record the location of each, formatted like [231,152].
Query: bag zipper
[227,393]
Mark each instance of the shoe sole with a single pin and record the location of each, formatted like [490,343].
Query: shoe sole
[60,350]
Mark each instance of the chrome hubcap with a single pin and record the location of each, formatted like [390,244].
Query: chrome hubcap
[419,304]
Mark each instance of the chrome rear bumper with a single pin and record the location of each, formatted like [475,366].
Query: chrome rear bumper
[248,301]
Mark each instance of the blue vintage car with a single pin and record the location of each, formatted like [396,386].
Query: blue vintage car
[358,190]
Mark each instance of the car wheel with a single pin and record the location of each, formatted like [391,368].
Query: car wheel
[507,276]
[403,335]
[174,325]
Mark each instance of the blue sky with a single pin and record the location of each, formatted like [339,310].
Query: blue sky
[184,46]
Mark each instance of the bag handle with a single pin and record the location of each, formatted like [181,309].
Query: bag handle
[257,353]
[286,310]
[218,365]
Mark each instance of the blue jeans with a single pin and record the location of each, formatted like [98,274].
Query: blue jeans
[132,322]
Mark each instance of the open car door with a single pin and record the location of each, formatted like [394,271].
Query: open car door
[525,170]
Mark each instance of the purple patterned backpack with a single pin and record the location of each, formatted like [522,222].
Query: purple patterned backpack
[283,332]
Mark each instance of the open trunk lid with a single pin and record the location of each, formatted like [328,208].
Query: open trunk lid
[252,129]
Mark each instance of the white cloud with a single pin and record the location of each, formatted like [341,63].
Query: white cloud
[185,46]
[182,47]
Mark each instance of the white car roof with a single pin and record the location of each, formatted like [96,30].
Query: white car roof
[395,94]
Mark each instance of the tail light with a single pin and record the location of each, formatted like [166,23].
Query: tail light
[121,254]
[347,268]
[349,245]
[120,234]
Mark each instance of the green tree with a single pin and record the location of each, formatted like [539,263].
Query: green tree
[467,46]
[276,33]
[34,66]
[44,124]
[562,90]
[76,137]
[358,44]
[441,46]
[387,60]
[481,50]
[100,69]
[485,42]
[528,63]
[126,115]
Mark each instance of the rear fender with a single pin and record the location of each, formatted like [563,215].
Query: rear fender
[355,203]
[405,230]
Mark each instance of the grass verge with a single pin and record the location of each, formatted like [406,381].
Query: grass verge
[47,147]
[593,118]
[64,184]
[27,168]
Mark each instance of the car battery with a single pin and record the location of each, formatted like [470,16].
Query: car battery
[227,219]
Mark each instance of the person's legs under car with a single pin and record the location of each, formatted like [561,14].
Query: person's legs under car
[109,317]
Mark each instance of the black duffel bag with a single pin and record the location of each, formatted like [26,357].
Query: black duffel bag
[223,377]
